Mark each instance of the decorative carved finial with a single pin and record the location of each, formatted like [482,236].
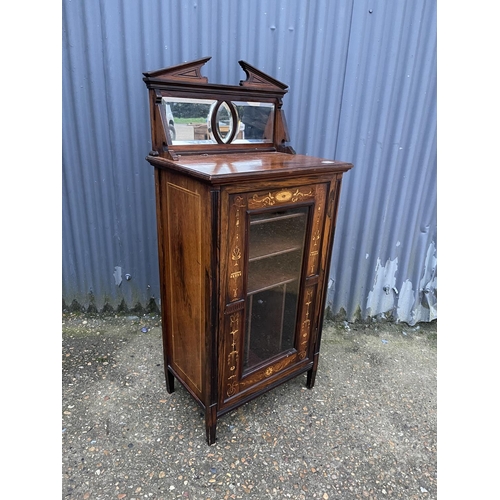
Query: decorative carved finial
[256,78]
[187,72]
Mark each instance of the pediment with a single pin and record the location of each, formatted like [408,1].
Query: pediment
[190,72]
[187,72]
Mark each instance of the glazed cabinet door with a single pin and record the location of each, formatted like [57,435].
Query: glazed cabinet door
[272,276]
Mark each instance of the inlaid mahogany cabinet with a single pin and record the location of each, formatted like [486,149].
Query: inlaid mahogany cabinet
[245,234]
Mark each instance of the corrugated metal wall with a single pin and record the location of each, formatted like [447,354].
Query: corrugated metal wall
[362,88]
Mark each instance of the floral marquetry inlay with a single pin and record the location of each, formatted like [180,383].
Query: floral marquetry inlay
[233,356]
[268,372]
[235,274]
[236,255]
[269,199]
[283,196]
[305,326]
[315,248]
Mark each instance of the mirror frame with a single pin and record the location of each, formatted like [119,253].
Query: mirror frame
[185,81]
[214,122]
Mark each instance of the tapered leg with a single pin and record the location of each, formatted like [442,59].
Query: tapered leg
[170,381]
[311,378]
[311,374]
[211,423]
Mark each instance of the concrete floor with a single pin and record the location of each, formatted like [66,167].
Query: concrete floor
[367,430]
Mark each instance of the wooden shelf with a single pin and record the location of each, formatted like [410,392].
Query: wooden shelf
[266,273]
[273,248]
[268,284]
[276,235]
[264,219]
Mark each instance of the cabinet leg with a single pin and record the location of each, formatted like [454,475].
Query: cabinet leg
[311,374]
[170,381]
[211,423]
[311,378]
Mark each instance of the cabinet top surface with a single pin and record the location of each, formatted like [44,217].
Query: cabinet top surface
[224,168]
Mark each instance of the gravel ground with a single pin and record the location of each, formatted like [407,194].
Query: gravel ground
[367,430]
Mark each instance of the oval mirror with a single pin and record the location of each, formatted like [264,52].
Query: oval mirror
[224,122]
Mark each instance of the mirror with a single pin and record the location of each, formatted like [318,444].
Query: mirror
[256,121]
[208,121]
[186,119]
[224,122]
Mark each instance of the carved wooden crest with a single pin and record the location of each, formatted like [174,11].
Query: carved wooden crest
[187,72]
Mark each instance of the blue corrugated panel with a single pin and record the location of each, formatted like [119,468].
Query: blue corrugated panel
[387,224]
[362,89]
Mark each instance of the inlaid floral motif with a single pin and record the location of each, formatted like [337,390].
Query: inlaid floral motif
[271,199]
[266,201]
[233,356]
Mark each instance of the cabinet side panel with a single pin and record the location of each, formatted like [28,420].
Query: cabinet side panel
[185,292]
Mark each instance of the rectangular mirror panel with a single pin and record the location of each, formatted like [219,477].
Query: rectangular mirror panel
[190,120]
[187,120]
[256,122]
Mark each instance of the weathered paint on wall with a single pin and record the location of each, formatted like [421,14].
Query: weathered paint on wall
[413,303]
[362,88]
[387,218]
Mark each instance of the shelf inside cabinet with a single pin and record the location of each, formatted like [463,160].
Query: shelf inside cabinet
[277,234]
[274,217]
[273,248]
[273,271]
[267,284]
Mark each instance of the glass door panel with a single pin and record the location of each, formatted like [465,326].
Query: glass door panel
[276,247]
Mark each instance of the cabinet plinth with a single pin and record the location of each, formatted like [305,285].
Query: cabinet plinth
[245,239]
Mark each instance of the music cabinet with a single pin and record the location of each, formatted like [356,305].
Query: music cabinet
[245,234]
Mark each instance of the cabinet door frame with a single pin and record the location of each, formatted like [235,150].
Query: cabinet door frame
[236,386]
